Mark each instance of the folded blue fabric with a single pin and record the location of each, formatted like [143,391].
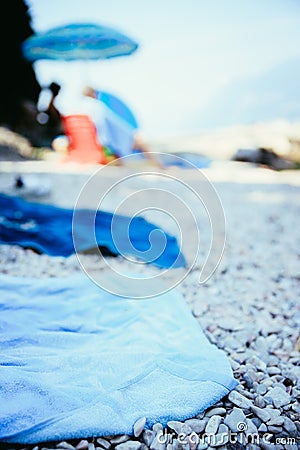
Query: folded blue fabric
[48,229]
[76,361]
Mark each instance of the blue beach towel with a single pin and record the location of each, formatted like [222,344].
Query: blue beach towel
[79,362]
[48,229]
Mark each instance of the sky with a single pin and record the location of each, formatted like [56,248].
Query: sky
[189,50]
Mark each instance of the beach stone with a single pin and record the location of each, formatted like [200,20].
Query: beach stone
[197,425]
[257,363]
[277,421]
[251,427]
[268,400]
[91,446]
[260,401]
[263,428]
[261,389]
[120,439]
[272,360]
[139,426]
[103,443]
[274,429]
[148,436]
[248,381]
[129,445]
[230,324]
[257,422]
[216,412]
[296,408]
[220,439]
[234,364]
[239,400]
[262,414]
[291,447]
[279,397]
[83,444]
[176,426]
[290,427]
[158,428]
[273,370]
[156,445]
[213,425]
[65,445]
[274,413]
[175,444]
[236,417]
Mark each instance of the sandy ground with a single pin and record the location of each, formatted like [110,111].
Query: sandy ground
[249,307]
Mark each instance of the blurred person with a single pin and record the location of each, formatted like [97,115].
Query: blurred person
[117,135]
[49,116]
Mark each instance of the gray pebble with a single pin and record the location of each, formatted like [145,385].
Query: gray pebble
[216,411]
[236,417]
[251,427]
[213,425]
[273,370]
[274,413]
[248,381]
[197,425]
[257,363]
[260,402]
[290,427]
[139,426]
[157,428]
[263,428]
[175,425]
[291,447]
[261,389]
[103,443]
[257,422]
[156,445]
[234,365]
[239,400]
[277,421]
[272,360]
[148,437]
[91,446]
[83,445]
[202,445]
[268,400]
[262,414]
[65,445]
[129,445]
[120,439]
[279,397]
[274,429]
[219,440]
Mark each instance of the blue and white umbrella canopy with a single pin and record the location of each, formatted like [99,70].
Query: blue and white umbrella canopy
[118,107]
[78,42]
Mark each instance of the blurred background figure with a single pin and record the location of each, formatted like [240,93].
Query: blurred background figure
[116,125]
[49,116]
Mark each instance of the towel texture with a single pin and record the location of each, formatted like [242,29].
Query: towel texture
[76,361]
[48,229]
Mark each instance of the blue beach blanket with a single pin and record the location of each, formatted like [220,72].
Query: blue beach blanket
[48,229]
[76,361]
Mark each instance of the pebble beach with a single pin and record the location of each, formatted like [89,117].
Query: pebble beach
[249,308]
